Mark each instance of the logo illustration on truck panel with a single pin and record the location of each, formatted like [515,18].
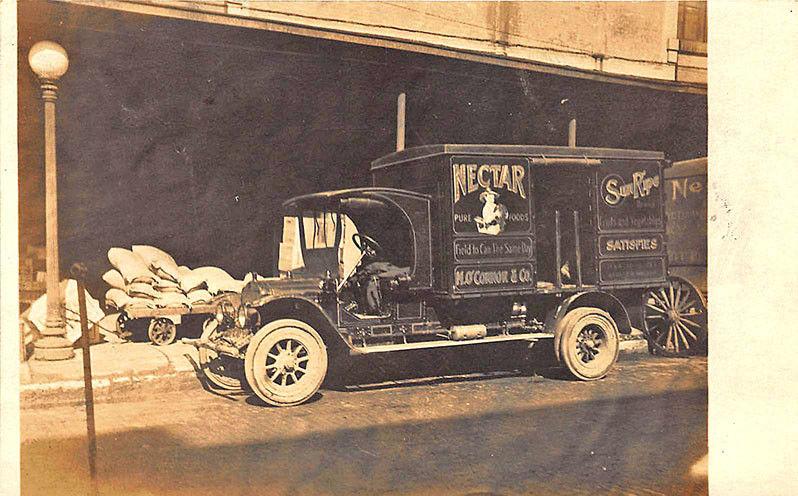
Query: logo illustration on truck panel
[490,195]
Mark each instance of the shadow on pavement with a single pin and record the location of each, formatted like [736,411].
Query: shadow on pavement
[513,358]
[637,445]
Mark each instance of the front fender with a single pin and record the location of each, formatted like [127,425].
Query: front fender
[598,299]
[306,310]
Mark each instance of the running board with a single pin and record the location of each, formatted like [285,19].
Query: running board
[384,348]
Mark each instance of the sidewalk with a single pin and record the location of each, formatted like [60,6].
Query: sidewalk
[120,371]
[129,371]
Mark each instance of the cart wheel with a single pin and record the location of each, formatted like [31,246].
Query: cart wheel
[286,362]
[120,329]
[588,342]
[223,371]
[675,319]
[162,331]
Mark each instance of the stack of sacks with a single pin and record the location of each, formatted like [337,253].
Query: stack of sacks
[147,277]
[36,315]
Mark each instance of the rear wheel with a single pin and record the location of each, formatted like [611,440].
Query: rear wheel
[286,362]
[675,319]
[588,342]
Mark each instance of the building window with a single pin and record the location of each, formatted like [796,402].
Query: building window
[693,21]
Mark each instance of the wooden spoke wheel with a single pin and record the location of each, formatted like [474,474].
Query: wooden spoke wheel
[588,342]
[162,331]
[223,371]
[121,323]
[675,319]
[286,362]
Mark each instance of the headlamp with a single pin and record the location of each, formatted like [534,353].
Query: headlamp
[224,311]
[241,317]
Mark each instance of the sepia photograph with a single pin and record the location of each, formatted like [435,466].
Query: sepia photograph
[350,247]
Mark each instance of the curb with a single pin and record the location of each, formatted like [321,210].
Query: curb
[634,345]
[130,387]
[106,389]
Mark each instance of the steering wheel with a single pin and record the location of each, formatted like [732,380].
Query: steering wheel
[363,242]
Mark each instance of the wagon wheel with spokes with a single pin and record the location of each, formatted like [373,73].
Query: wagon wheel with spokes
[120,326]
[162,331]
[675,319]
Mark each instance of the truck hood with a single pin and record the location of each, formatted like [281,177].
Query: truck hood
[255,292]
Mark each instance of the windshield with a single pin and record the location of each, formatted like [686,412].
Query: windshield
[321,240]
[385,223]
[323,243]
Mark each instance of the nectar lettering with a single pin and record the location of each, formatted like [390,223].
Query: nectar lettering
[469,178]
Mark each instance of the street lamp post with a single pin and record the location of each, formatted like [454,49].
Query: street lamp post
[49,61]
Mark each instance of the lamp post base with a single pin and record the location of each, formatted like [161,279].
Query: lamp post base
[53,348]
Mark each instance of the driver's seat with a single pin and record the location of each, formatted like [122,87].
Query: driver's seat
[385,270]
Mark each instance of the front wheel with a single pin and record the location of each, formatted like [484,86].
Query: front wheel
[286,362]
[588,343]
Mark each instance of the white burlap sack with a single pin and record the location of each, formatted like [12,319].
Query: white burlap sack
[107,328]
[116,298]
[132,267]
[141,303]
[158,260]
[165,271]
[37,314]
[142,290]
[114,279]
[199,296]
[169,289]
[165,284]
[172,300]
[217,279]
[190,282]
[232,286]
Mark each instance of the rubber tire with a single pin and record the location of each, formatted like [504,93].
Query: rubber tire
[568,330]
[206,356]
[255,362]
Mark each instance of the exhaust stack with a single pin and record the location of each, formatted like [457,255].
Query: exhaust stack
[400,122]
[572,133]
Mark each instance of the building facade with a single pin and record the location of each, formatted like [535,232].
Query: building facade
[186,124]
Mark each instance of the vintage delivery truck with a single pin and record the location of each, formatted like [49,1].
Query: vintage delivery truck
[686,231]
[458,245]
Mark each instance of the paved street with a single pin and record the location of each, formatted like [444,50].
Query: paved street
[639,432]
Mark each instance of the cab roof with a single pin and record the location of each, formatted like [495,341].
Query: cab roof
[331,198]
[590,156]
[688,168]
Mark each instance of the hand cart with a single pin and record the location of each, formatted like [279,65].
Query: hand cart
[163,322]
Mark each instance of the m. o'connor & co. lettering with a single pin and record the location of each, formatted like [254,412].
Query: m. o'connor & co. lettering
[468,178]
[469,277]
